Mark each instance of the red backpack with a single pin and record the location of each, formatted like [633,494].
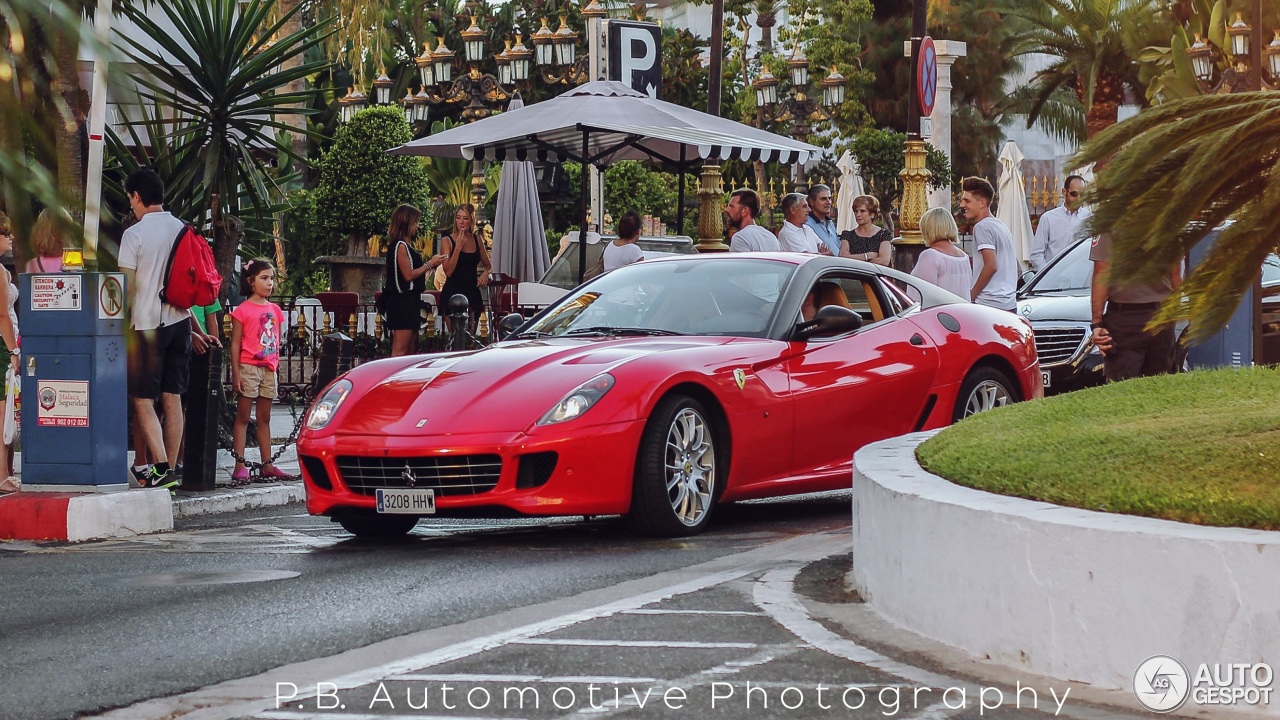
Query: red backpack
[191,277]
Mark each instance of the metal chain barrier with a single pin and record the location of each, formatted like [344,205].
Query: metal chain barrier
[227,441]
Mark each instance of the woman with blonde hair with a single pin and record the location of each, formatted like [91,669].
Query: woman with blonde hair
[943,263]
[867,241]
[47,243]
[466,255]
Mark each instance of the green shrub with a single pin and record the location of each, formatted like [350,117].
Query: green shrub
[360,183]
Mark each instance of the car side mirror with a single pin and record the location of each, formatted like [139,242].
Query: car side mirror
[1025,278]
[509,324]
[829,320]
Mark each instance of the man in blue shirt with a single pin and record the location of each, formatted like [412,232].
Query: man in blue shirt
[820,218]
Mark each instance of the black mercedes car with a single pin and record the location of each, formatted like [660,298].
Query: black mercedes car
[1056,302]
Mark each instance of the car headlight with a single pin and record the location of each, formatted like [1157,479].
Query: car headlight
[327,406]
[579,400]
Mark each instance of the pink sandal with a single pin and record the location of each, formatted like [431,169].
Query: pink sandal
[240,477]
[275,473]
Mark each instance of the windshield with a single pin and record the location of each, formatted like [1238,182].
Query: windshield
[709,296]
[1072,271]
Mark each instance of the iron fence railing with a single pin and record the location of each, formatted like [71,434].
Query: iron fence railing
[307,323]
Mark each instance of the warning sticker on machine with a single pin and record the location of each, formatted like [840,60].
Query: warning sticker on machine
[56,292]
[62,403]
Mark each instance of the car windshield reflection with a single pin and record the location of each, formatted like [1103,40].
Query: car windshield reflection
[727,297]
[1070,272]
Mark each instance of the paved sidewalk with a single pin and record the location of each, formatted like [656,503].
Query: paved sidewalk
[228,498]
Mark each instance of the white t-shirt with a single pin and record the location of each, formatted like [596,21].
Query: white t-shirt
[145,248]
[754,238]
[615,256]
[992,234]
[798,238]
[949,272]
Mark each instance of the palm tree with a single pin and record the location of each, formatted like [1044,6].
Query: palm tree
[1175,173]
[1091,44]
[40,117]
[225,86]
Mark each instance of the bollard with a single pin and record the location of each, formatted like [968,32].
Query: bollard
[200,434]
[459,319]
[336,351]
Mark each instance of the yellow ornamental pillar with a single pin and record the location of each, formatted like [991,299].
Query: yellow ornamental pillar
[711,214]
[915,201]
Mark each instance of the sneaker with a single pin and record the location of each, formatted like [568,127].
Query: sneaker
[142,476]
[153,479]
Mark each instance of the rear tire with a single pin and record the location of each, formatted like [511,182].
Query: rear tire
[677,471]
[372,525]
[983,388]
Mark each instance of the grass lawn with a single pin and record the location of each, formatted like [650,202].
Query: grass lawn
[1200,447]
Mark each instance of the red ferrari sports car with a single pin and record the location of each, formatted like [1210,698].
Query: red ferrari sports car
[657,391]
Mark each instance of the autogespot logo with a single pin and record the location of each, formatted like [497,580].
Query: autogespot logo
[1161,684]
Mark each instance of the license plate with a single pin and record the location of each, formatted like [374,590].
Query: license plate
[1044,379]
[407,502]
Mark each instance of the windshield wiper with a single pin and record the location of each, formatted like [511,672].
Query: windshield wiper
[535,334]
[609,330]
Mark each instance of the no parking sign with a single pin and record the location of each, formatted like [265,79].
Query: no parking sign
[927,76]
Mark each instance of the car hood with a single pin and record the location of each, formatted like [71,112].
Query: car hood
[1056,306]
[505,387]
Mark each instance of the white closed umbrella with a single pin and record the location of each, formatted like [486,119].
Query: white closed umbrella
[519,239]
[850,188]
[1012,194]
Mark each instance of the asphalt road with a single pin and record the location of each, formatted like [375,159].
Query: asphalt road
[86,628]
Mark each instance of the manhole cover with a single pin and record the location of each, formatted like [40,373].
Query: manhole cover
[209,578]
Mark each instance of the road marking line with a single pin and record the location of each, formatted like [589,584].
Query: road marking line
[562,679]
[576,642]
[313,714]
[660,611]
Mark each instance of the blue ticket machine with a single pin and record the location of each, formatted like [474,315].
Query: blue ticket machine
[74,374]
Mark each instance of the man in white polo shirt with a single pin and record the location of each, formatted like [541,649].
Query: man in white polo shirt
[796,235]
[995,265]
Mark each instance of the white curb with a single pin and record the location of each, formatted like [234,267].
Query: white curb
[1072,594]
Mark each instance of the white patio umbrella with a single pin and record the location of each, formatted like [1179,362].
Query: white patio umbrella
[519,240]
[602,122]
[850,187]
[1012,194]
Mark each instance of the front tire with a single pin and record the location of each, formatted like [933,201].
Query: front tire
[984,388]
[372,525]
[677,473]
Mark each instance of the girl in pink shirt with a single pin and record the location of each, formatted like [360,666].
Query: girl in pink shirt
[255,354]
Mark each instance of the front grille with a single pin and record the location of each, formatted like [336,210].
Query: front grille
[447,475]
[1058,345]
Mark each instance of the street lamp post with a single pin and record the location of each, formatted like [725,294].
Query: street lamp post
[797,108]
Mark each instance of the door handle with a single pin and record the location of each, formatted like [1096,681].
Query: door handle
[916,340]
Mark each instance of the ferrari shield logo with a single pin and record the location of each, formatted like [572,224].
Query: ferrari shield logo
[740,377]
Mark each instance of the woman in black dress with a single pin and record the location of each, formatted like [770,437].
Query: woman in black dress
[405,280]
[466,256]
[867,241]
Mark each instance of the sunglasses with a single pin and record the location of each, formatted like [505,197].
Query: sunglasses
[1073,193]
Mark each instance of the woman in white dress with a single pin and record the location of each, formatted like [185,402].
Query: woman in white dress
[943,263]
[9,356]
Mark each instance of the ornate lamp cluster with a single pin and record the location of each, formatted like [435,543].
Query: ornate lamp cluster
[797,107]
[1204,57]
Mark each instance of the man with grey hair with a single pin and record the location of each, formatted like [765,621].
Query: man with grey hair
[820,218]
[795,235]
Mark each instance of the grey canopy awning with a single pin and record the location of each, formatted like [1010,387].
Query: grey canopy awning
[618,124]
